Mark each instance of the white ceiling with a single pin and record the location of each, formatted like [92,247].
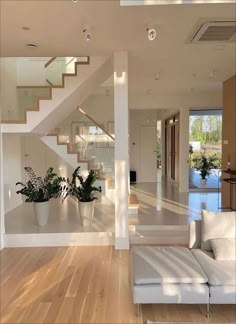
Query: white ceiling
[56,27]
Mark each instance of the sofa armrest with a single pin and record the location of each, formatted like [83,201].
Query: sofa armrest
[195,234]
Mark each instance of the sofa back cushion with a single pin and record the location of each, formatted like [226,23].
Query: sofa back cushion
[195,234]
[217,225]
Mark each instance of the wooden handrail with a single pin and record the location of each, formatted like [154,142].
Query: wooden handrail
[94,121]
[81,137]
[50,61]
[49,82]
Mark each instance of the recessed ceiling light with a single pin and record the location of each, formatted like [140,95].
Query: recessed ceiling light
[31,45]
[25,28]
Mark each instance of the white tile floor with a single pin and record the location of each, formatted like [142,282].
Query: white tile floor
[64,218]
[161,204]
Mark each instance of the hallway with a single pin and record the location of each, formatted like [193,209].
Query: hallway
[161,203]
[165,213]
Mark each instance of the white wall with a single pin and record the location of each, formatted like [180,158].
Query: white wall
[139,118]
[40,157]
[2,227]
[137,101]
[8,88]
[18,71]
[19,152]
[11,171]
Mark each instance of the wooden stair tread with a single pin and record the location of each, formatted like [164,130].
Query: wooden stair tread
[13,121]
[133,201]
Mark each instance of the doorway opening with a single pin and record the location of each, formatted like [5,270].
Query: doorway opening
[205,149]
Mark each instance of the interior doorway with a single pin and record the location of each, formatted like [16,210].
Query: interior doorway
[148,151]
[146,148]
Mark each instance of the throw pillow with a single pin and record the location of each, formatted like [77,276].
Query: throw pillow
[217,225]
[224,249]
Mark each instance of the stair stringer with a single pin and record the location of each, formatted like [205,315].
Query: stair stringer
[65,100]
[62,151]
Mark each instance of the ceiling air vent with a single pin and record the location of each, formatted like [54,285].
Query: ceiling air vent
[215,31]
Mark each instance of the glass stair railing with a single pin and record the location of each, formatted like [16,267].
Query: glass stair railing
[22,91]
[62,65]
[27,99]
[92,142]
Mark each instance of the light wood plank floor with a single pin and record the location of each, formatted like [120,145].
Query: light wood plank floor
[81,285]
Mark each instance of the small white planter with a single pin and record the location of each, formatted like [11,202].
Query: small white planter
[41,212]
[86,210]
[203,182]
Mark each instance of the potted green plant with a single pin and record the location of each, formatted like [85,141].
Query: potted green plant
[83,189]
[39,191]
[205,164]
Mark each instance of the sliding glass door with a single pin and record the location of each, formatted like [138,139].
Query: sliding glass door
[205,146]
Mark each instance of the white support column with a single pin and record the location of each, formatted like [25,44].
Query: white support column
[2,222]
[184,150]
[121,115]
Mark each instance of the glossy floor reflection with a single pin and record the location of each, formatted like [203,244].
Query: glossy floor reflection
[161,203]
[213,180]
[63,218]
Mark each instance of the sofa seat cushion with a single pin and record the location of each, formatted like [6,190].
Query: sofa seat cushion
[219,273]
[162,265]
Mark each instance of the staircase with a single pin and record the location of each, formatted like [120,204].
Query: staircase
[61,99]
[60,144]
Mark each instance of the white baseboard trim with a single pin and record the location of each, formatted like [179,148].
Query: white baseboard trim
[2,245]
[122,243]
[59,239]
[159,227]
[159,240]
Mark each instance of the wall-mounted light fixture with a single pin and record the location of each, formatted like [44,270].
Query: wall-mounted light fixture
[87,35]
[151,33]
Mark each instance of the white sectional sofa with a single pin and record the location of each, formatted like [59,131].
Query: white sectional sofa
[219,262]
[203,274]
[167,275]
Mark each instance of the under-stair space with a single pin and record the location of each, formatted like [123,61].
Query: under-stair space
[75,137]
[60,145]
[87,145]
